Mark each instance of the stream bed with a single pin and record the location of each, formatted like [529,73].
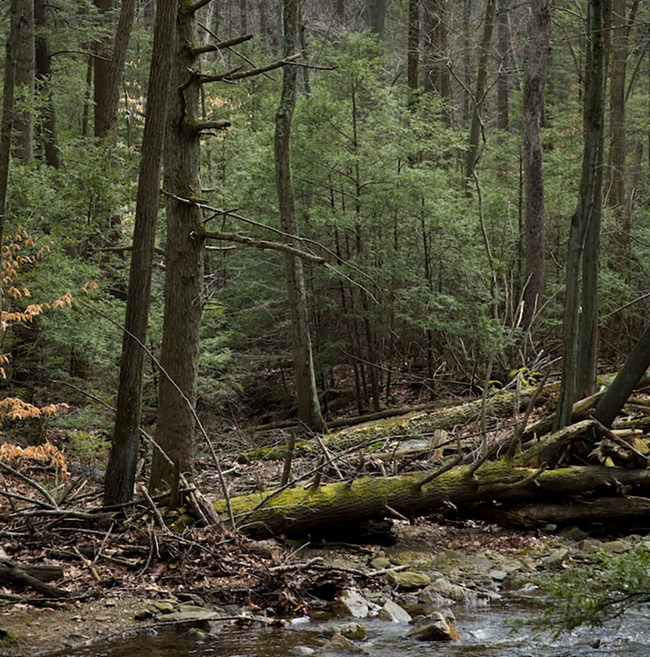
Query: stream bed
[484,632]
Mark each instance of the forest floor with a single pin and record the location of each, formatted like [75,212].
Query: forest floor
[120,573]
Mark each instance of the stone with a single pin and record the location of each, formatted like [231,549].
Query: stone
[354,631]
[143,614]
[338,643]
[434,627]
[444,588]
[556,558]
[393,613]
[352,603]
[164,606]
[409,580]
[616,547]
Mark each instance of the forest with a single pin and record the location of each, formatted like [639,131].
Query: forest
[319,269]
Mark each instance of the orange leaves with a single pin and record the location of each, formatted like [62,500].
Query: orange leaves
[17,409]
[46,453]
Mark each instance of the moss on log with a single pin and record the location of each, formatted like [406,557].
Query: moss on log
[301,510]
[405,427]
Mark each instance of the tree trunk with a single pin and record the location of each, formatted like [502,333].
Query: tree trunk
[437,76]
[375,14]
[309,411]
[25,76]
[624,383]
[48,136]
[537,57]
[184,264]
[503,54]
[6,125]
[107,99]
[120,473]
[581,270]
[500,484]
[473,150]
[413,49]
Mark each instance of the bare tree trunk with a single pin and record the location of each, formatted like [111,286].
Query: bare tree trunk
[110,72]
[25,76]
[184,265]
[623,385]
[6,125]
[473,149]
[537,57]
[503,53]
[437,76]
[375,13]
[413,54]
[120,473]
[578,332]
[47,131]
[309,411]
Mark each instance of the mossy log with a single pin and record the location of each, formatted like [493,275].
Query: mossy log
[405,427]
[495,484]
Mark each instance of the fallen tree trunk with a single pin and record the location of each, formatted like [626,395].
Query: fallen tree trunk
[412,425]
[498,483]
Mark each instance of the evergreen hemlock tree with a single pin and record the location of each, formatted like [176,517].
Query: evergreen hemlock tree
[120,473]
[309,412]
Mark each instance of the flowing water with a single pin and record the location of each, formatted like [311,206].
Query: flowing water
[484,633]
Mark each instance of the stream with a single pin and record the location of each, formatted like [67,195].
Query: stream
[484,633]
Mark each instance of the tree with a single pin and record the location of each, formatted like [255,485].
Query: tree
[480,90]
[25,76]
[309,411]
[184,264]
[47,132]
[537,56]
[109,67]
[120,473]
[580,305]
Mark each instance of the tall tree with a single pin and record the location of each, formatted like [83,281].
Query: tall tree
[480,89]
[47,132]
[309,411]
[109,68]
[503,54]
[6,125]
[413,54]
[537,57]
[580,309]
[375,14]
[184,264]
[120,473]
[25,77]
[437,76]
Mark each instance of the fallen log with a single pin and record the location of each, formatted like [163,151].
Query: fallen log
[497,483]
[414,424]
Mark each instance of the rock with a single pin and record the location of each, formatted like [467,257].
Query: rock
[574,533]
[301,651]
[409,580]
[556,558]
[434,627]
[354,631]
[197,634]
[164,606]
[393,613]
[443,588]
[352,603]
[498,575]
[143,614]
[616,547]
[339,643]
